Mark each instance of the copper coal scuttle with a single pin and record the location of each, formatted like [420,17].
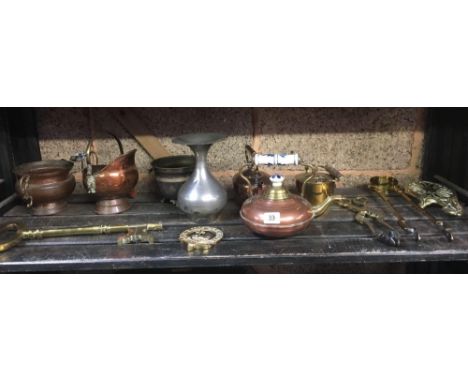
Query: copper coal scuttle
[276,212]
[111,184]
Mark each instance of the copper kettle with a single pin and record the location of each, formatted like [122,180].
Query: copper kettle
[249,180]
[276,212]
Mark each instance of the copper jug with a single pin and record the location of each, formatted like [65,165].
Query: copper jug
[249,180]
[317,184]
[45,185]
[113,183]
[276,213]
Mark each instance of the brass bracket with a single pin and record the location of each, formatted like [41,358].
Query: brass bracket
[201,238]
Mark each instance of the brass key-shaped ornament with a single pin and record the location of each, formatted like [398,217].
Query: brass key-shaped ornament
[134,233]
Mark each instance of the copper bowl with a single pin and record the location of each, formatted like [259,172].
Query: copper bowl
[45,185]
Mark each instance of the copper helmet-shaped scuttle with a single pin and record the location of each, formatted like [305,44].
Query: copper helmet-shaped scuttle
[276,213]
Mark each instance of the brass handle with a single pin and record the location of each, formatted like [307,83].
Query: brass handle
[90,152]
[24,186]
[307,168]
[243,177]
[15,240]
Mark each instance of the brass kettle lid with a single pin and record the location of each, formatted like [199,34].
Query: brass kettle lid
[276,191]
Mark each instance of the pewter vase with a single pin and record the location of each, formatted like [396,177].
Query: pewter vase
[202,196]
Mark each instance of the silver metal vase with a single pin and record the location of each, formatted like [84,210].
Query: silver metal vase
[202,196]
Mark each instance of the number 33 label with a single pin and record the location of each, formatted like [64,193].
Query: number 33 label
[271,218]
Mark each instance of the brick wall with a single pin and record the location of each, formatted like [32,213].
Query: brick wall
[361,142]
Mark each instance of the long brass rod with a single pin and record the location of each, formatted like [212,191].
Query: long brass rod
[135,233]
[400,219]
[91,230]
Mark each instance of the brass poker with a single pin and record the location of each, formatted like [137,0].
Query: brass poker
[382,185]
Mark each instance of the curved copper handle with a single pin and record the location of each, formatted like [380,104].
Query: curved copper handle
[243,177]
[24,186]
[17,238]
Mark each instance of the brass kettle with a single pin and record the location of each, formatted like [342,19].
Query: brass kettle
[317,185]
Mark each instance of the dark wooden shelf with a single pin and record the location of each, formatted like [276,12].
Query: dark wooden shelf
[334,237]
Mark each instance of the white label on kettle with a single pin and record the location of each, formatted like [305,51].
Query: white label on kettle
[271,218]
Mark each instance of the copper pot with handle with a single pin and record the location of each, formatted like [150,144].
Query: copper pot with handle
[112,183]
[45,185]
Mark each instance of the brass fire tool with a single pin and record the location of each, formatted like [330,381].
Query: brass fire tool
[366,216]
[134,233]
[382,186]
[394,186]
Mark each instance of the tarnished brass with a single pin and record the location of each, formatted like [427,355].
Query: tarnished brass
[317,184]
[135,233]
[366,216]
[201,239]
[321,208]
[438,223]
[382,185]
[428,193]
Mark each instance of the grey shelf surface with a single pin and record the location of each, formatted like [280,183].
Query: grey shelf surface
[334,237]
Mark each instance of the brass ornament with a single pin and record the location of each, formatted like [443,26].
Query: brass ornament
[428,193]
[201,239]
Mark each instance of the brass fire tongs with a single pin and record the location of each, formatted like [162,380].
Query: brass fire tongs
[392,184]
[134,233]
[366,216]
[381,186]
